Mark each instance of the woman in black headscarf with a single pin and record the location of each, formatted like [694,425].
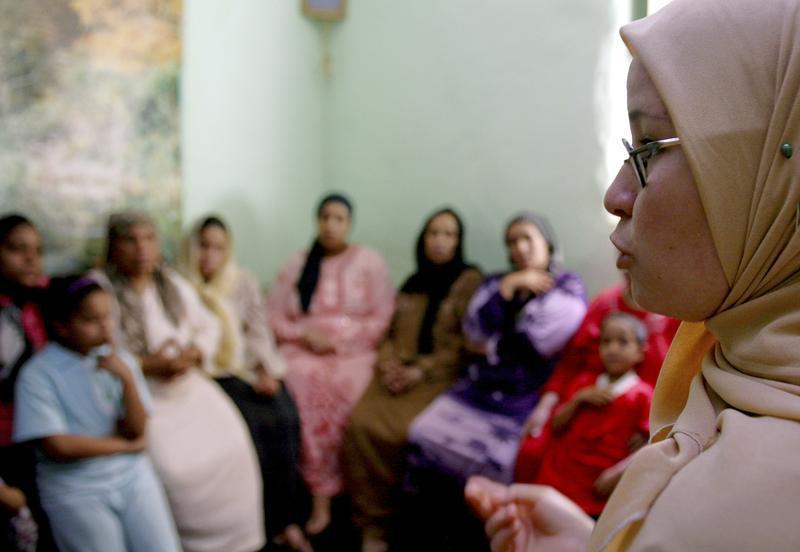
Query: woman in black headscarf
[416,362]
[329,310]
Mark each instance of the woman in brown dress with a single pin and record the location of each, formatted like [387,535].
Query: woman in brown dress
[417,361]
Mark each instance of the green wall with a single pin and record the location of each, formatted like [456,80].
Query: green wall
[491,107]
[253,128]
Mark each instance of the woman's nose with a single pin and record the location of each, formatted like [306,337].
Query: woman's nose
[621,195]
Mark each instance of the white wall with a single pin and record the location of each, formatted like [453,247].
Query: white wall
[491,107]
[486,106]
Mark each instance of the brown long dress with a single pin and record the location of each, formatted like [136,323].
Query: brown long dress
[376,438]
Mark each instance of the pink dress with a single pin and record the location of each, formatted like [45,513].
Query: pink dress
[353,305]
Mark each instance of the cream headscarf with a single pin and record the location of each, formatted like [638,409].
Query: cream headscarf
[215,294]
[728,72]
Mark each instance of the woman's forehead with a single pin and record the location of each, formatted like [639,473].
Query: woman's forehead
[525,227]
[644,100]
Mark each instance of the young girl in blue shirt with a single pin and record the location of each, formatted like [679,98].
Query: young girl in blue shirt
[86,405]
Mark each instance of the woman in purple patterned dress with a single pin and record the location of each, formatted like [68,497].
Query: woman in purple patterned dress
[516,325]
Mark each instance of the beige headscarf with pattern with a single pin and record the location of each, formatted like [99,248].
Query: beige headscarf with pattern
[132,320]
[723,471]
[214,293]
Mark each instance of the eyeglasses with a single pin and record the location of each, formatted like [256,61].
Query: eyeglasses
[638,157]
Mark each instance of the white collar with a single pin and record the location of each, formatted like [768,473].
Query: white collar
[619,387]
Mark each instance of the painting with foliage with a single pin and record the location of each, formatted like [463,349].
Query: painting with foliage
[89,118]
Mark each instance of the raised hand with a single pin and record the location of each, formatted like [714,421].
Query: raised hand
[528,518]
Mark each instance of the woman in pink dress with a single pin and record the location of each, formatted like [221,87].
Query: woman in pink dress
[329,310]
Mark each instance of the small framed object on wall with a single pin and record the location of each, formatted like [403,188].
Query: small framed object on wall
[329,10]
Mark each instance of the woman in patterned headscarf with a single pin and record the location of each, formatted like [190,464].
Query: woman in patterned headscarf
[197,439]
[709,232]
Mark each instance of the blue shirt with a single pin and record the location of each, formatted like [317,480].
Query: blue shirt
[60,392]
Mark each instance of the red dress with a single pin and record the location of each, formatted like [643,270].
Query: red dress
[582,352]
[25,328]
[595,439]
[581,355]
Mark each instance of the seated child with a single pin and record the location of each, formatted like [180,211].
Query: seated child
[85,404]
[603,418]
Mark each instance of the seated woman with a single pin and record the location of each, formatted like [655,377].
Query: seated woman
[199,444]
[519,322]
[516,325]
[250,370]
[22,333]
[416,362]
[329,309]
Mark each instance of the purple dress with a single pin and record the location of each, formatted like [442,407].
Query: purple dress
[474,428]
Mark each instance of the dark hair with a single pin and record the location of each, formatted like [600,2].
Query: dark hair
[434,280]
[11,222]
[309,277]
[423,262]
[335,198]
[212,220]
[639,328]
[64,297]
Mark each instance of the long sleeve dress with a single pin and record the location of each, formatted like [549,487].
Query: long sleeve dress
[377,432]
[596,438]
[475,427]
[198,441]
[581,356]
[352,305]
[236,300]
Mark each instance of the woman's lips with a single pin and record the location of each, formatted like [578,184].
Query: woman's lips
[625,259]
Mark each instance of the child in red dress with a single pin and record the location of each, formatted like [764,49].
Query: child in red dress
[602,419]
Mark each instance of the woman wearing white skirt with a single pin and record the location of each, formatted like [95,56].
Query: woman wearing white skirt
[198,441]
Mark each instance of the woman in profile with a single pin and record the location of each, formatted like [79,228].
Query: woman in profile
[709,232]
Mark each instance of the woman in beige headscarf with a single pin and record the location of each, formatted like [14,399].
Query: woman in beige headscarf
[714,239]
[250,370]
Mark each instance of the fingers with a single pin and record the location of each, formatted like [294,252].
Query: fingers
[485,496]
[503,541]
[550,511]
[503,528]
[168,346]
[598,401]
[503,518]
[534,427]
[478,499]
[601,486]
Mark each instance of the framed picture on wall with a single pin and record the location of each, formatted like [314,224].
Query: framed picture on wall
[325,9]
